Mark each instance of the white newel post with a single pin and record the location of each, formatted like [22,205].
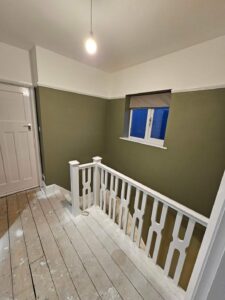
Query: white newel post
[74,185]
[96,183]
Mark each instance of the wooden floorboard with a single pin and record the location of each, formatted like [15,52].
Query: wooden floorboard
[145,289]
[120,281]
[32,241]
[6,291]
[117,277]
[47,253]
[22,278]
[42,279]
[165,287]
[59,273]
[79,275]
[98,276]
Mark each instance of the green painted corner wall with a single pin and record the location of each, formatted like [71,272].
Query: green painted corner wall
[190,170]
[72,127]
[78,127]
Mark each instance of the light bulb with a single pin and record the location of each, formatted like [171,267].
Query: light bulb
[91,46]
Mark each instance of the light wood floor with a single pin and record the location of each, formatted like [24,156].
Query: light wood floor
[46,253]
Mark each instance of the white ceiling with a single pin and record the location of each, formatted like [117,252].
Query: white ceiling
[128,32]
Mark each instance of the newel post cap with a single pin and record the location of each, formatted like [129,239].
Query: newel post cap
[97,159]
[74,163]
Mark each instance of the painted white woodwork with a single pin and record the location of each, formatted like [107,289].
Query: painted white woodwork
[211,251]
[171,203]
[18,160]
[124,202]
[96,179]
[103,175]
[103,189]
[36,136]
[180,245]
[138,216]
[86,190]
[74,185]
[88,165]
[113,197]
[156,227]
[151,142]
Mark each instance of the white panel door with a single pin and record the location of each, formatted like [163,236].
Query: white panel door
[18,164]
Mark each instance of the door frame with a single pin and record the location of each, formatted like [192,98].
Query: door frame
[36,135]
[30,90]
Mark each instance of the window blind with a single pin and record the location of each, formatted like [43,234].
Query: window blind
[150,100]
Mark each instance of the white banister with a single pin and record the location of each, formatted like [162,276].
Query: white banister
[106,183]
[138,216]
[86,190]
[112,197]
[157,228]
[180,245]
[88,165]
[125,201]
[103,189]
[171,203]
[96,179]
[74,185]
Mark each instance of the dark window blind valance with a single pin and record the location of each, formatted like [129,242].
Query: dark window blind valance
[150,100]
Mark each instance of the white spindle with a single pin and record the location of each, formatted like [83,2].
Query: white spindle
[112,197]
[74,184]
[156,227]
[96,180]
[86,190]
[103,189]
[171,203]
[138,215]
[180,245]
[125,201]
[100,192]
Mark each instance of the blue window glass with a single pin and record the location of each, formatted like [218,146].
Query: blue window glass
[159,123]
[139,118]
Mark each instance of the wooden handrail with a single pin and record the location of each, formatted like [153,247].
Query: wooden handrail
[100,187]
[87,165]
[171,203]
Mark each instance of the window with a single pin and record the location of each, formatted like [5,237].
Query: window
[148,118]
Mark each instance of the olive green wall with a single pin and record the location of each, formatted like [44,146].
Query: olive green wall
[72,127]
[78,127]
[190,170]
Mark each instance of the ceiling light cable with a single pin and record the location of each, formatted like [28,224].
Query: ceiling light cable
[90,44]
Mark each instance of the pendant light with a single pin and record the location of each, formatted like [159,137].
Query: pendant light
[90,44]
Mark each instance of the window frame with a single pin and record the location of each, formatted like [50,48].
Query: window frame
[147,138]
